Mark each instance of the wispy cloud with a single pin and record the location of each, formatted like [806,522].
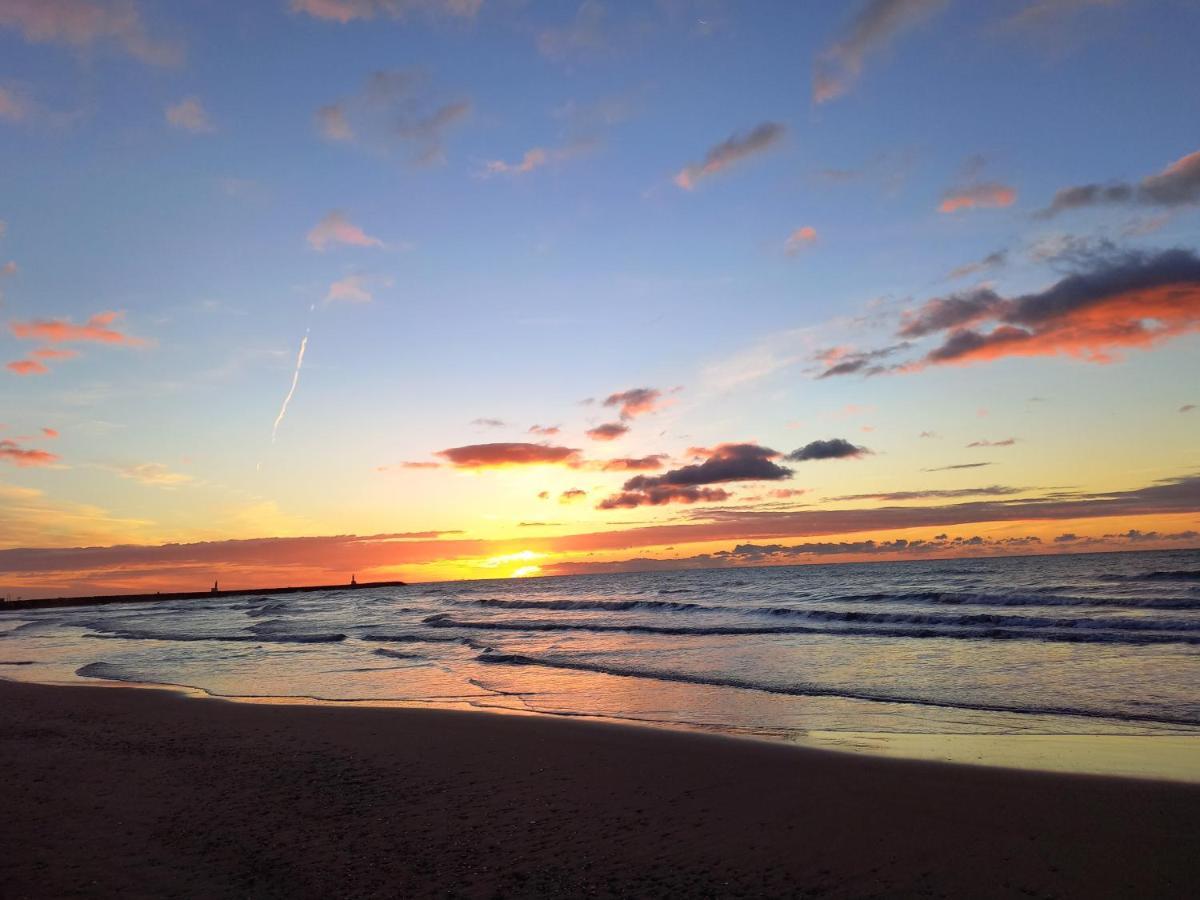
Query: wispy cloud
[89,23]
[12,107]
[732,150]
[335,228]
[189,114]
[977,196]
[803,237]
[394,110]
[344,11]
[155,474]
[97,329]
[351,289]
[12,452]
[877,24]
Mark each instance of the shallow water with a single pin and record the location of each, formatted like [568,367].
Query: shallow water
[871,657]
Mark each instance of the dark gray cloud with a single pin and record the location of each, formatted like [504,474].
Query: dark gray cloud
[489,423]
[725,463]
[1006,442]
[660,495]
[834,448]
[635,402]
[953,311]
[1175,186]
[609,431]
[975,465]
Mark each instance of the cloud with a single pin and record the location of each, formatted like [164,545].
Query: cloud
[733,149]
[660,495]
[500,455]
[351,289]
[27,367]
[802,237]
[155,474]
[1187,407]
[544,430]
[14,453]
[1112,302]
[609,431]
[725,463]
[877,24]
[189,115]
[977,196]
[87,23]
[1175,186]
[489,423]
[834,448]
[50,432]
[633,464]
[974,465]
[848,362]
[636,402]
[1043,13]
[97,329]
[8,269]
[335,228]
[1135,300]
[54,353]
[393,110]
[12,107]
[343,11]
[994,490]
[1007,442]
[572,495]
[991,261]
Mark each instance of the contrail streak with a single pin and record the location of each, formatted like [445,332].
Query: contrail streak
[295,377]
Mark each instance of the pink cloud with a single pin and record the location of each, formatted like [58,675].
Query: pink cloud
[83,23]
[351,289]
[977,196]
[609,431]
[12,108]
[344,11]
[189,114]
[12,452]
[732,150]
[335,228]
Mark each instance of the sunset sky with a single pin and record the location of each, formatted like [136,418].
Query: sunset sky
[427,289]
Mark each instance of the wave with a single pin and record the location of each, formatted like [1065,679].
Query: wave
[443,620]
[966,598]
[810,690]
[599,605]
[137,635]
[397,654]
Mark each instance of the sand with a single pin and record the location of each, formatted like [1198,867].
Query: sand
[127,792]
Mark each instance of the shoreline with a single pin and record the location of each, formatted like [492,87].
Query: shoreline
[110,790]
[1171,757]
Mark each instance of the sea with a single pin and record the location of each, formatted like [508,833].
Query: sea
[1086,663]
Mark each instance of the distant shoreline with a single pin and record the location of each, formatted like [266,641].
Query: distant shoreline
[52,602]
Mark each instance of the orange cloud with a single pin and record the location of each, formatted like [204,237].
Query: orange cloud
[335,228]
[50,432]
[501,455]
[609,431]
[799,239]
[63,331]
[11,451]
[27,367]
[988,194]
[52,353]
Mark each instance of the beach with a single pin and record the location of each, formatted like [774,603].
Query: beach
[140,792]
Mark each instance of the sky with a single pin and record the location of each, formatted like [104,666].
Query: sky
[431,289]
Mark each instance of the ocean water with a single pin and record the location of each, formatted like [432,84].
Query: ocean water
[939,658]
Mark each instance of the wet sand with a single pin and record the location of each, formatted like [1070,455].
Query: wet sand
[126,792]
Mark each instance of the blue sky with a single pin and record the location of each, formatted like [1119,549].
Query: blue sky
[168,162]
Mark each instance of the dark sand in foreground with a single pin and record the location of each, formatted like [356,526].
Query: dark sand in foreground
[107,792]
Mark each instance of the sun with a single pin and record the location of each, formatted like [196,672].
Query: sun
[526,571]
